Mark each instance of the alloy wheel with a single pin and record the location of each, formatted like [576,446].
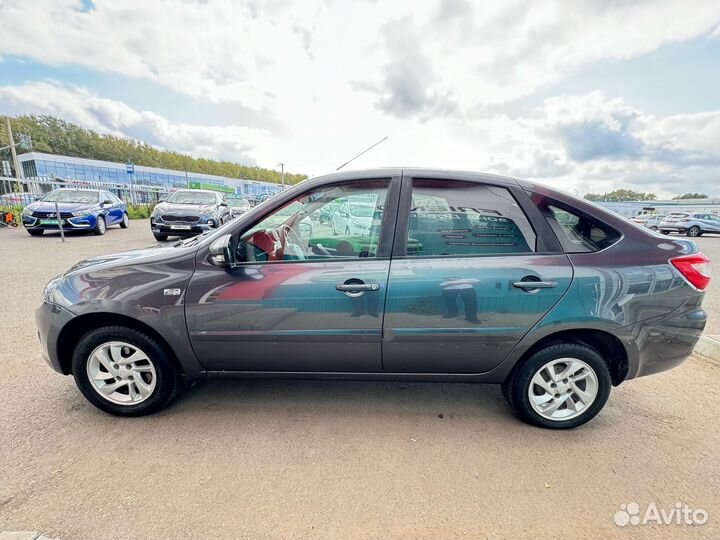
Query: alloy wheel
[563,388]
[121,373]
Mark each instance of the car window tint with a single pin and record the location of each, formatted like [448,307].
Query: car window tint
[454,218]
[578,233]
[341,221]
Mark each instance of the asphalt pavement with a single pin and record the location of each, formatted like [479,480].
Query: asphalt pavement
[306,459]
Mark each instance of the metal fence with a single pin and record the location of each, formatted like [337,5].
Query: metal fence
[15,194]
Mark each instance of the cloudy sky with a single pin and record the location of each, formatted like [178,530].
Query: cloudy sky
[586,95]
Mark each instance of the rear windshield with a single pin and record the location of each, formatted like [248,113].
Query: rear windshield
[577,232]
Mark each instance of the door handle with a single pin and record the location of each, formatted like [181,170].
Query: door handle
[534,284]
[357,287]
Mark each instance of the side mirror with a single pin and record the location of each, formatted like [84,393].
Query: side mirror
[106,201]
[162,198]
[223,203]
[220,254]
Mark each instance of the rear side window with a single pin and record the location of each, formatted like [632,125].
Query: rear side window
[579,233]
[454,218]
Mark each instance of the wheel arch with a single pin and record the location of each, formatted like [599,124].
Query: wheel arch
[77,327]
[607,344]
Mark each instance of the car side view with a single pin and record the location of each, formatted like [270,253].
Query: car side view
[695,224]
[90,210]
[457,277]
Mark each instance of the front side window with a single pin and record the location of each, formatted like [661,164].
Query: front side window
[454,218]
[335,222]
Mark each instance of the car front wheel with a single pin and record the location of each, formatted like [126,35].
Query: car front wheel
[100,226]
[560,386]
[124,372]
[125,223]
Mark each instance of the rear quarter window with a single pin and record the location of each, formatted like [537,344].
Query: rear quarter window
[577,231]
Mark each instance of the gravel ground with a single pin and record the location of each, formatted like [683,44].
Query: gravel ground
[300,459]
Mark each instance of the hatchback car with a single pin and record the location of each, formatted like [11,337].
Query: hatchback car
[461,277]
[695,224]
[238,206]
[79,210]
[189,212]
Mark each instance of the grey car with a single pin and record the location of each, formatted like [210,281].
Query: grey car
[695,224]
[189,212]
[459,277]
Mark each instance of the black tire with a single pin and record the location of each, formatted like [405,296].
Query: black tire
[125,223]
[665,232]
[35,232]
[167,385]
[694,231]
[654,228]
[518,384]
[100,226]
[160,237]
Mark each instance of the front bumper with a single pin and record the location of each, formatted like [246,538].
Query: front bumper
[180,228]
[50,319]
[69,224]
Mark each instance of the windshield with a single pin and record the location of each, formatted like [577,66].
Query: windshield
[191,197]
[362,211]
[236,203]
[72,196]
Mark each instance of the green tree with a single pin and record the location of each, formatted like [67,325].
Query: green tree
[55,136]
[621,195]
[691,196]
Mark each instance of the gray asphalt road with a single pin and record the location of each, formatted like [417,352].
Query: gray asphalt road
[281,459]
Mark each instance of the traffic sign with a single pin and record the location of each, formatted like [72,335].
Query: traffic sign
[6,168]
[130,167]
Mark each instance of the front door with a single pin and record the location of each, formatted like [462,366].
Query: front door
[301,297]
[469,281]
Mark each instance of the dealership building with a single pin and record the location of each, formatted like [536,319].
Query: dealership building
[37,166]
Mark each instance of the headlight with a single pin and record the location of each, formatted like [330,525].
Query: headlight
[27,212]
[82,213]
[50,287]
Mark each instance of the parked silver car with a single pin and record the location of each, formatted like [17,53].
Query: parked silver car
[695,224]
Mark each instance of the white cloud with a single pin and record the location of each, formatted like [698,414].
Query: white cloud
[421,56]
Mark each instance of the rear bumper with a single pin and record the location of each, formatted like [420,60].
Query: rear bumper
[667,342]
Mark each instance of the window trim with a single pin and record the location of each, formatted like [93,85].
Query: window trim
[546,243]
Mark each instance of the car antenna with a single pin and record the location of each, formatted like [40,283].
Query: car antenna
[364,151]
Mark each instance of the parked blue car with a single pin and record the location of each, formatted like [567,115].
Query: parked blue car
[80,210]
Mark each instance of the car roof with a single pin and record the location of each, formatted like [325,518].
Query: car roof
[197,191]
[417,172]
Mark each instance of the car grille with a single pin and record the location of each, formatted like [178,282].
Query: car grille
[189,219]
[44,215]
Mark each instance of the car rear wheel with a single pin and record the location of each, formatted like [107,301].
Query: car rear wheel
[160,237]
[125,223]
[124,372]
[35,232]
[665,232]
[100,226]
[654,228]
[560,386]
[694,231]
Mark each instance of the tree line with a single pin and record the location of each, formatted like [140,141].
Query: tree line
[630,195]
[56,136]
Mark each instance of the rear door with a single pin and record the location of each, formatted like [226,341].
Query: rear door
[471,273]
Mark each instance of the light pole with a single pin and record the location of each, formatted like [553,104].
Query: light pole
[282,174]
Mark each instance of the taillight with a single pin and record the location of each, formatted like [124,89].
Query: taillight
[695,268]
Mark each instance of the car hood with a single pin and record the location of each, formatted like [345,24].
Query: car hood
[43,206]
[147,255]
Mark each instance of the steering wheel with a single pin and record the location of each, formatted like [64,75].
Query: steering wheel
[287,237]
